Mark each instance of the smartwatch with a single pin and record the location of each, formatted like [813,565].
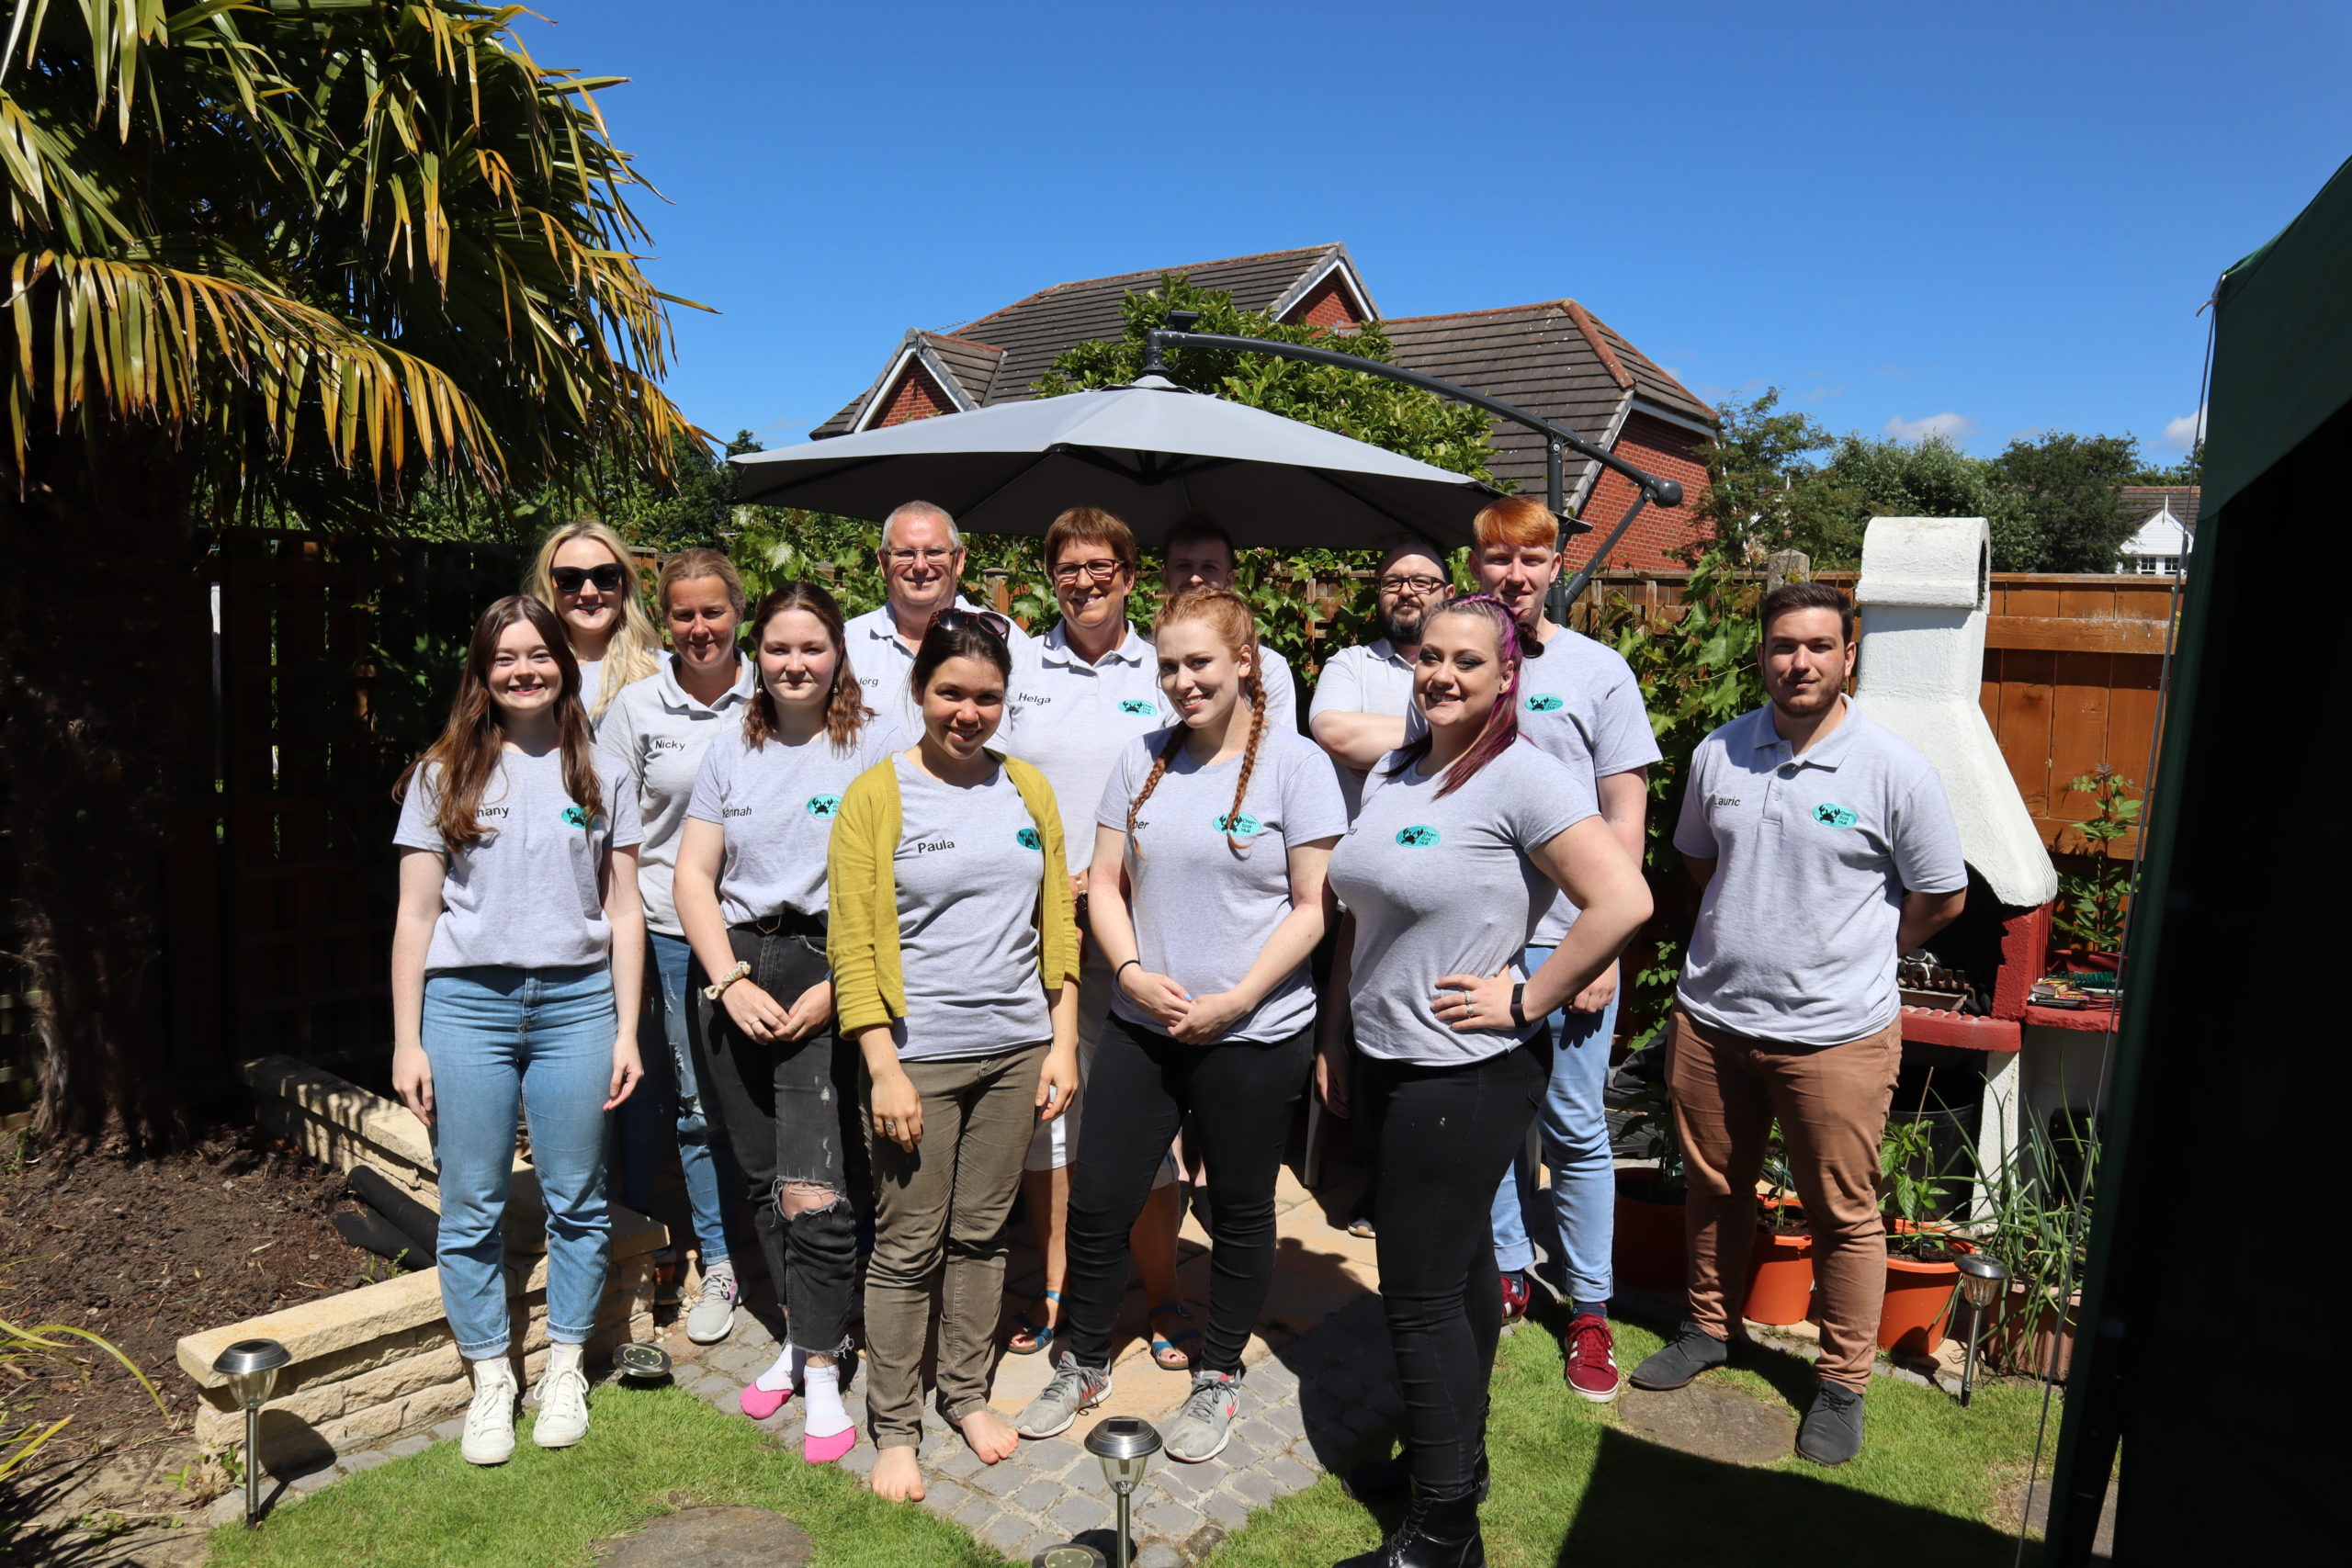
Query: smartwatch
[1518,1008]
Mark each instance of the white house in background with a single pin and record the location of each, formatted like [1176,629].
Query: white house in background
[2167,519]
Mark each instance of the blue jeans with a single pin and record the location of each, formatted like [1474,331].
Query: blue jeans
[671,1096]
[1575,1125]
[542,1037]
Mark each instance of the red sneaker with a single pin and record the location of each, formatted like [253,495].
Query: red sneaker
[1516,1292]
[1593,1358]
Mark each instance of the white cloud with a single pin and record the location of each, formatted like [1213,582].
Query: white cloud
[1950,427]
[2185,432]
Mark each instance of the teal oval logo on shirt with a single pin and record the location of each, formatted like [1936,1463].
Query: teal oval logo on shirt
[576,816]
[824,804]
[1544,702]
[1830,816]
[1416,838]
[1029,838]
[1242,826]
[1139,707]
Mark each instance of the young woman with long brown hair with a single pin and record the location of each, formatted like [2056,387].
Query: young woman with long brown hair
[1206,898]
[752,896]
[585,573]
[1464,839]
[517,958]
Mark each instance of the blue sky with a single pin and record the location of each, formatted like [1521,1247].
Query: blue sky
[1987,218]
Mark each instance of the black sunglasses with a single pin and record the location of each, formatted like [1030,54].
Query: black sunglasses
[989,621]
[571,578]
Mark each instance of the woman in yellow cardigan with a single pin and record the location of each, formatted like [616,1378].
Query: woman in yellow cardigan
[955,959]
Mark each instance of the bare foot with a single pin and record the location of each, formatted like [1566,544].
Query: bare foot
[991,1439]
[896,1475]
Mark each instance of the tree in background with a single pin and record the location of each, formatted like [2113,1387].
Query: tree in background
[2068,491]
[2189,470]
[1932,478]
[275,258]
[1765,493]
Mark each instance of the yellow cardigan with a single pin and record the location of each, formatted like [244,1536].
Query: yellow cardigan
[862,919]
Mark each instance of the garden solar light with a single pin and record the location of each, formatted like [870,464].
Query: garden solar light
[642,1363]
[1068,1554]
[1125,1444]
[251,1366]
[1981,1281]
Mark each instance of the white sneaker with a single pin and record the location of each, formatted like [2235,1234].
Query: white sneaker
[490,1419]
[563,1401]
[712,1317]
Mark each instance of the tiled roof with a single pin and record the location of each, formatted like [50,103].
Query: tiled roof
[1031,333]
[970,364]
[1554,359]
[2143,501]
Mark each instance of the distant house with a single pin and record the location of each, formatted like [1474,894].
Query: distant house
[1553,358]
[2166,516]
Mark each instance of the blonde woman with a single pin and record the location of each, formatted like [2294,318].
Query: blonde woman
[583,574]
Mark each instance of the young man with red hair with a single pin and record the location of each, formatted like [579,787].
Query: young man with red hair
[1579,702]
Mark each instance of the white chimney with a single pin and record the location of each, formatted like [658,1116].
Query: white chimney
[1925,591]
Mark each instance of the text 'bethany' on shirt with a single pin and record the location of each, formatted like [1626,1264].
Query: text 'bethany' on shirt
[1579,702]
[1071,721]
[1796,932]
[1373,678]
[1205,909]
[777,804]
[659,732]
[968,876]
[1447,887]
[528,895]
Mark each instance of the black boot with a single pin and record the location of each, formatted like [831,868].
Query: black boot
[1434,1535]
[1390,1480]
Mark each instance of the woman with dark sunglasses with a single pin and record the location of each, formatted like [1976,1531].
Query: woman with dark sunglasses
[955,961]
[583,573]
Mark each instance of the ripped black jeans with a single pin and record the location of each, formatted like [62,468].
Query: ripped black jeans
[790,1112]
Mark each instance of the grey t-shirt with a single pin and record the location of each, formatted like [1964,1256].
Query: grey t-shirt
[1579,702]
[968,876]
[1204,909]
[1373,678]
[776,802]
[1795,937]
[1445,887]
[527,896]
[1072,719]
[659,733]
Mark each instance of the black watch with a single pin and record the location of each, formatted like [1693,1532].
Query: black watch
[1518,1005]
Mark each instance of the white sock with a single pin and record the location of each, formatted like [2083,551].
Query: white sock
[563,1357]
[786,1373]
[821,1398]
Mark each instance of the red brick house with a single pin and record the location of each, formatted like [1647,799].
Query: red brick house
[1554,358]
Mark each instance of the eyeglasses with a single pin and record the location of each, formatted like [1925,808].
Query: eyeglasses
[572,579]
[989,621]
[903,559]
[1421,585]
[1093,570]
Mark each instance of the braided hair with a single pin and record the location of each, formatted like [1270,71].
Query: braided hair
[1230,619]
[1512,643]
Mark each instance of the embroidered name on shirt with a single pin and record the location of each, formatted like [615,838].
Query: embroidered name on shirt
[823,804]
[1830,816]
[1544,702]
[665,743]
[926,846]
[1715,800]
[738,810]
[1416,838]
[498,811]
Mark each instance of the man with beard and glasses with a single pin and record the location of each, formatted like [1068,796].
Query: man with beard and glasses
[921,554]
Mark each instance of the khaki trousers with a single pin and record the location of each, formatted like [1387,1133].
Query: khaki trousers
[1831,1101]
[939,1222]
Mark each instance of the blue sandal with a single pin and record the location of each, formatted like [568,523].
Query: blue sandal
[1164,1347]
[1038,1334]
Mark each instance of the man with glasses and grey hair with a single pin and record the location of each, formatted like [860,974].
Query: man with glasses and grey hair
[922,557]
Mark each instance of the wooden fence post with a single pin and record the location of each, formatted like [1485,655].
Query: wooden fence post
[1786,566]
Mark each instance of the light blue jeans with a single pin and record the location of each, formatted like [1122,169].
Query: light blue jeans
[543,1038]
[670,1097]
[1575,1126]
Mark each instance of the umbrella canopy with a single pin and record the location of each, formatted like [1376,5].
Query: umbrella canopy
[1149,452]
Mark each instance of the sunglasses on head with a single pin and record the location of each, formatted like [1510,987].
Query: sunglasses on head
[572,579]
[989,621]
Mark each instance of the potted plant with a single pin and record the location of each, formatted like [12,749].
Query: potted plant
[1780,1260]
[1649,1252]
[2033,1213]
[1922,1279]
[2092,902]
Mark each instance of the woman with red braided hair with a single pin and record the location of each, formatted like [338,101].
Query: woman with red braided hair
[1206,897]
[1463,839]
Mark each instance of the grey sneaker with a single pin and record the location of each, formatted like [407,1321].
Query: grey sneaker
[1204,1424]
[712,1317]
[1074,1390]
[1693,1350]
[1831,1432]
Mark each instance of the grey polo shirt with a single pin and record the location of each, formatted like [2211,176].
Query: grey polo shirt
[660,733]
[885,666]
[1579,702]
[1072,719]
[1795,937]
[1372,678]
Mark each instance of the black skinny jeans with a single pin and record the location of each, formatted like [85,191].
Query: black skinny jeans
[790,1111]
[1446,1136]
[1241,1095]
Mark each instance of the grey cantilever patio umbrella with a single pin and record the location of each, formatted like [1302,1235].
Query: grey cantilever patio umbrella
[1150,452]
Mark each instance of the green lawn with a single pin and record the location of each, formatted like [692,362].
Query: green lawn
[652,1450]
[1572,1486]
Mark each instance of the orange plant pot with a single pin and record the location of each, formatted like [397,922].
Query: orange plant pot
[1780,1275]
[1648,1252]
[1919,1299]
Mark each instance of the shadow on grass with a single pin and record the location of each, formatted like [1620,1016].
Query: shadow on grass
[1754,1517]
